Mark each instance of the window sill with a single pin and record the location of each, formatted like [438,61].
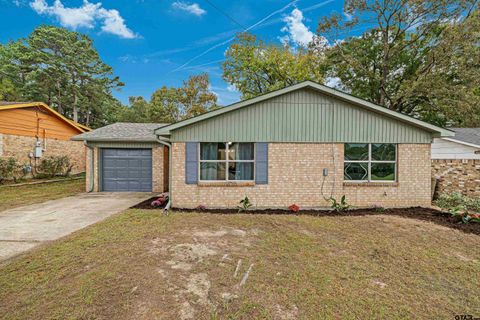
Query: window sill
[234,184]
[370,184]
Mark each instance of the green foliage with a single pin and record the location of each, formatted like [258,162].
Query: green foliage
[456,201]
[420,58]
[54,166]
[168,105]
[255,68]
[8,167]
[341,206]
[63,69]
[245,204]
[463,208]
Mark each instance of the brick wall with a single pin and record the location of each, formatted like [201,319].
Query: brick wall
[19,147]
[158,181]
[295,176]
[457,176]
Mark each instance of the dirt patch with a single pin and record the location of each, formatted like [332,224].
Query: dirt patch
[424,214]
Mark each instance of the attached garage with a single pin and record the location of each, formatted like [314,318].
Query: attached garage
[126,170]
[126,157]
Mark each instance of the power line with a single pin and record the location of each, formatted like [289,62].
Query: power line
[225,14]
[233,38]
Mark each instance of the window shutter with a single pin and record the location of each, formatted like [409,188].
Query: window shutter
[191,162]
[261,163]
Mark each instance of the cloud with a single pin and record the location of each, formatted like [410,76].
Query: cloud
[193,8]
[232,88]
[298,32]
[85,16]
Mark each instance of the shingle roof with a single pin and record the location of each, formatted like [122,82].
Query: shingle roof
[121,131]
[468,135]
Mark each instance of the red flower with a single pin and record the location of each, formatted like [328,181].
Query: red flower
[294,208]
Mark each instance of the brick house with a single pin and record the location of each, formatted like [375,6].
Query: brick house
[302,144]
[456,162]
[31,131]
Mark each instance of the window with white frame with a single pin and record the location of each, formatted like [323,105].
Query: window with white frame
[227,161]
[370,162]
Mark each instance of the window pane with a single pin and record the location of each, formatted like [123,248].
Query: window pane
[240,171]
[240,151]
[212,171]
[383,171]
[356,151]
[212,151]
[383,151]
[356,171]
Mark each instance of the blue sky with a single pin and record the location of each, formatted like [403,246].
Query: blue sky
[151,43]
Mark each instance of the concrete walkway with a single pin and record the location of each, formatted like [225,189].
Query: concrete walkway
[26,227]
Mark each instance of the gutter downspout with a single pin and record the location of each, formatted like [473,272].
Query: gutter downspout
[169,145]
[92,165]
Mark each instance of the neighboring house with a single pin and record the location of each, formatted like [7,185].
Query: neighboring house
[456,162]
[302,144]
[31,131]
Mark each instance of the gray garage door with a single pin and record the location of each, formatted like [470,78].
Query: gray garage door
[127,170]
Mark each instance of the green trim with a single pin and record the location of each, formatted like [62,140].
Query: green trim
[437,131]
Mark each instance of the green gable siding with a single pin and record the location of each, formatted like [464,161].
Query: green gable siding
[302,116]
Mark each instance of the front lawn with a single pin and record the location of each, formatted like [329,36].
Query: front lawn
[11,197]
[144,265]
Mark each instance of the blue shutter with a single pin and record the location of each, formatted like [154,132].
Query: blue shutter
[191,162]
[261,163]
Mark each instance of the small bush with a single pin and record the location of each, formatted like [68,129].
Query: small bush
[449,201]
[245,204]
[341,206]
[294,208]
[55,166]
[10,169]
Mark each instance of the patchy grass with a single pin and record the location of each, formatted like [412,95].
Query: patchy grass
[144,265]
[11,197]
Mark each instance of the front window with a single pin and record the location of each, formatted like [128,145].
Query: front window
[227,161]
[370,162]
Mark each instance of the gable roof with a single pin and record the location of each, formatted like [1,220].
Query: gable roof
[319,88]
[466,136]
[122,132]
[8,105]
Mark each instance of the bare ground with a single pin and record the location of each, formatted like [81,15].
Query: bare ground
[142,265]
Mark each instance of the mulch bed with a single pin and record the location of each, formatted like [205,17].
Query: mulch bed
[147,205]
[418,213]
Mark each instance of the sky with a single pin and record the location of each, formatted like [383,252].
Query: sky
[152,43]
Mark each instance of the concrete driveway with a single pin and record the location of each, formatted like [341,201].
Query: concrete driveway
[26,227]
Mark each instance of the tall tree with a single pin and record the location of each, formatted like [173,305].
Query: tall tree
[61,68]
[397,50]
[255,67]
[171,104]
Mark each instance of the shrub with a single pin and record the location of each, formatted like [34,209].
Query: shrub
[294,208]
[245,204]
[11,169]
[378,208]
[341,206]
[55,166]
[449,201]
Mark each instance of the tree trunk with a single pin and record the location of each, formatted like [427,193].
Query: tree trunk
[75,107]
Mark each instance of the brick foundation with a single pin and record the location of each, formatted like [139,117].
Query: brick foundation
[295,176]
[20,147]
[457,176]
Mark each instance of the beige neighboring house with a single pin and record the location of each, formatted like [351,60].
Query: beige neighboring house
[456,162]
[299,145]
[30,131]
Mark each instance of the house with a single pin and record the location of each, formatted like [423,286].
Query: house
[456,162]
[31,131]
[302,144]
